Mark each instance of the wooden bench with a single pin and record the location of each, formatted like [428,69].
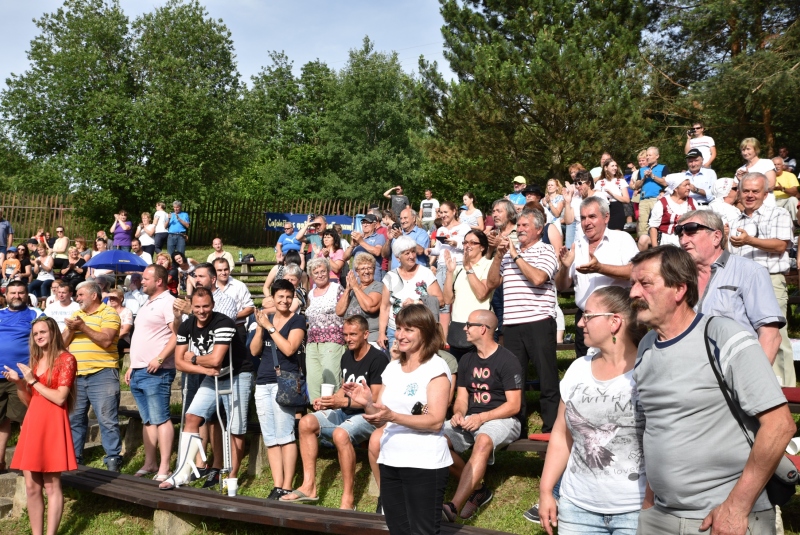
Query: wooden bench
[205,503]
[536,442]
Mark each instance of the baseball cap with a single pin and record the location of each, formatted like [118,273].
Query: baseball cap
[369,218]
[694,153]
[11,249]
[520,180]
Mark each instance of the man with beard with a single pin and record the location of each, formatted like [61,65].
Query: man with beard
[15,330]
[702,475]
[91,336]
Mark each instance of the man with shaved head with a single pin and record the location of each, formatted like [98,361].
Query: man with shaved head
[484,414]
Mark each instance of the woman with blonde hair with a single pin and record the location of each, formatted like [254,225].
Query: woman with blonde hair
[750,147]
[45,448]
[145,231]
[553,201]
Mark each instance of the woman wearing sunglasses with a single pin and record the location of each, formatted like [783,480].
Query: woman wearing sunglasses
[595,453]
[44,448]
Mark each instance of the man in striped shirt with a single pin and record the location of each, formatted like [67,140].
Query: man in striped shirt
[91,335]
[526,272]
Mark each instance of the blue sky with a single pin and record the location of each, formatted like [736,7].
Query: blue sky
[304,29]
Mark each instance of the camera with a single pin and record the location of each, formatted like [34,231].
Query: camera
[690,131]
[312,216]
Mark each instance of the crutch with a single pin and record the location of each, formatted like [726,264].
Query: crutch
[226,427]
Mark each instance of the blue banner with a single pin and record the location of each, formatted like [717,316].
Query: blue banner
[276,220]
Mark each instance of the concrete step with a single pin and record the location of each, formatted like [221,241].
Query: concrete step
[8,484]
[6,505]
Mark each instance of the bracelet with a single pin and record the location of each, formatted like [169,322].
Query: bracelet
[515,259]
[33,383]
[349,402]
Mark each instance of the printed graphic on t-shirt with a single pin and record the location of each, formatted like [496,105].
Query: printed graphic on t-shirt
[411,390]
[607,428]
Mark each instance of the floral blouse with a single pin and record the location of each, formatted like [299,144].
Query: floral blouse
[323,323]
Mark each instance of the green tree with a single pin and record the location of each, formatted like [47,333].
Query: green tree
[70,112]
[187,111]
[540,84]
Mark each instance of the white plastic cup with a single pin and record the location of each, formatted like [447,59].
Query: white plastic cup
[233,485]
[793,448]
[326,389]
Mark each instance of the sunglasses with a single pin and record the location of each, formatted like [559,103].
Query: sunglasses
[580,182]
[734,188]
[690,229]
[470,242]
[468,324]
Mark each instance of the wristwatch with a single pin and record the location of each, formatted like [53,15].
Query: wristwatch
[470,272]
[161,361]
[271,330]
[194,360]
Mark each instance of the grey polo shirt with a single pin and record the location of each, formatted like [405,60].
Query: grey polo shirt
[741,290]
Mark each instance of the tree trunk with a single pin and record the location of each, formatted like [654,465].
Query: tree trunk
[769,133]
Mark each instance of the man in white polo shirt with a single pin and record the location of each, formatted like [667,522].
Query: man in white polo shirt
[529,308]
[601,257]
[64,307]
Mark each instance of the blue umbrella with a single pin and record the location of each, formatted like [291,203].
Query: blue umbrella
[118,260]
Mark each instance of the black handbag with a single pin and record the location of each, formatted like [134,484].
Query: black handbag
[292,391]
[781,486]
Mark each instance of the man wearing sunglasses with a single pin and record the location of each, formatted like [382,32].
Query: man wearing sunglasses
[484,413]
[729,285]
[763,234]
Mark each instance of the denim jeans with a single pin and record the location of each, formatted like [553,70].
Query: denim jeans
[40,288]
[160,238]
[121,248]
[101,390]
[574,520]
[176,242]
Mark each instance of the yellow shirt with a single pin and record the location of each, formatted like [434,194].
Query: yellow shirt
[787,180]
[91,357]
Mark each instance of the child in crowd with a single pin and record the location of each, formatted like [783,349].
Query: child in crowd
[11,266]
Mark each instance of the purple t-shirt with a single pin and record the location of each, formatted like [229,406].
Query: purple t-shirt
[122,237]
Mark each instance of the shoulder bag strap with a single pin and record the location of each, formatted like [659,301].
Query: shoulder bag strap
[724,387]
[274,350]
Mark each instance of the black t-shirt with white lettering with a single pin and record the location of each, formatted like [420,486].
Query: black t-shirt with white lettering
[487,380]
[368,368]
[220,329]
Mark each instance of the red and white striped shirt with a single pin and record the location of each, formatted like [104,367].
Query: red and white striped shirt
[523,302]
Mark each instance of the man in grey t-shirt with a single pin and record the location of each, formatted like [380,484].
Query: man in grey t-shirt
[698,462]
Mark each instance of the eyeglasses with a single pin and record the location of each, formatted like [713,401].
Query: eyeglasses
[587,317]
[365,270]
[690,229]
[468,324]
[471,242]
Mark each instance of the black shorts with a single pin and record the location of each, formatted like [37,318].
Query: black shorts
[10,405]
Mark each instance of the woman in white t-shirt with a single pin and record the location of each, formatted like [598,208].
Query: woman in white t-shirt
[412,404]
[409,284]
[613,186]
[465,289]
[145,232]
[160,220]
[595,453]
[471,216]
[750,147]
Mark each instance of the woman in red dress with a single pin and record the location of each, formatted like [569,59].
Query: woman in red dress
[44,448]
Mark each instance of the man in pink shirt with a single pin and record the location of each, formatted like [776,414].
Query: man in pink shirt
[153,370]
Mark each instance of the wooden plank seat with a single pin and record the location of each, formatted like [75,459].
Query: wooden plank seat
[205,503]
[253,428]
[536,442]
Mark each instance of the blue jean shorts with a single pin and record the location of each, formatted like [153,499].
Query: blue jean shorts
[151,392]
[277,421]
[356,426]
[204,403]
[574,520]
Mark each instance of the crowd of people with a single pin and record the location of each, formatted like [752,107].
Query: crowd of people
[417,337]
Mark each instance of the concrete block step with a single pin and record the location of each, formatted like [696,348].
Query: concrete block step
[8,484]
[6,505]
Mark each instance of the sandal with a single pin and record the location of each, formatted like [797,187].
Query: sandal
[142,472]
[161,477]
